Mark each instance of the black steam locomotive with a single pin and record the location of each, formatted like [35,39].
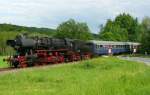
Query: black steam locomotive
[32,51]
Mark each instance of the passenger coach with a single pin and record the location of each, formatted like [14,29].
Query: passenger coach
[111,47]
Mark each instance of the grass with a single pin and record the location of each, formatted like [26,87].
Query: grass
[99,76]
[3,64]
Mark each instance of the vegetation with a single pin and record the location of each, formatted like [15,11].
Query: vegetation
[16,28]
[145,35]
[74,30]
[3,64]
[100,76]
[123,28]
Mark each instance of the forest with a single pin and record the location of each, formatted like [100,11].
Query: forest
[123,27]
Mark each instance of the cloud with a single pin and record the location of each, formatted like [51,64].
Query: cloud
[50,13]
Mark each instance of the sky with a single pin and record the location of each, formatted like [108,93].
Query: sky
[50,13]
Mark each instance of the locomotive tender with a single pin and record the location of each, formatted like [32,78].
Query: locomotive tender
[31,51]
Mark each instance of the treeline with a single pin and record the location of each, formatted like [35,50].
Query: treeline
[16,28]
[122,28]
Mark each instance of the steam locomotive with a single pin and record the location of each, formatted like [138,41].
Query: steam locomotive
[31,51]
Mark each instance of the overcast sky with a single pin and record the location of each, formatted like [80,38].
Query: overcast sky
[50,13]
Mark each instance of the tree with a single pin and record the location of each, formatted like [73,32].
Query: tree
[73,30]
[145,35]
[129,23]
[113,32]
[123,28]
[146,23]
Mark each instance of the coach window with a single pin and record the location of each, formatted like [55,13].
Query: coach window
[96,46]
[125,46]
[117,46]
[113,46]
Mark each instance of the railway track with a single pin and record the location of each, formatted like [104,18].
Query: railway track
[7,69]
[15,69]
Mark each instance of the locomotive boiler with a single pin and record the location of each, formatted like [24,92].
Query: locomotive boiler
[31,51]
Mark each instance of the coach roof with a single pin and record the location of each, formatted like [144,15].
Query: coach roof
[113,43]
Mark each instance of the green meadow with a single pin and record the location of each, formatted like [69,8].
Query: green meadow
[3,64]
[99,76]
